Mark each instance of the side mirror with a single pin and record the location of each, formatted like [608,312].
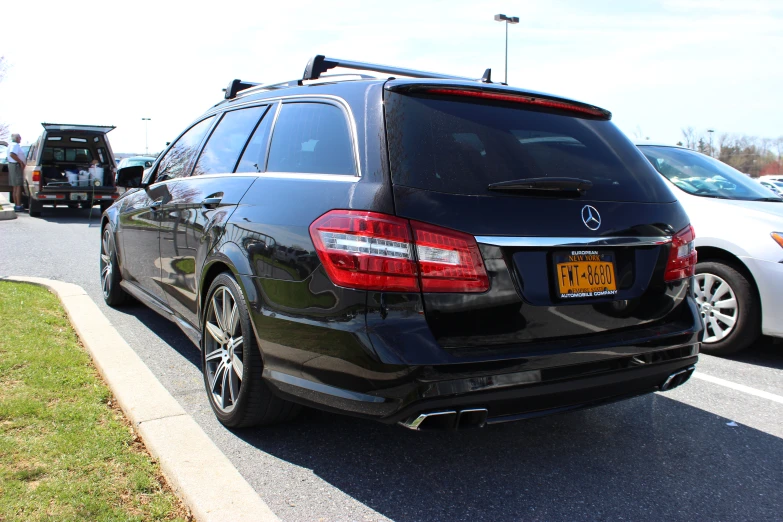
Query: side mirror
[130,177]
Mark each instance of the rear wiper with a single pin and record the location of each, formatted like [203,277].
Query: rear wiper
[543,185]
[767,199]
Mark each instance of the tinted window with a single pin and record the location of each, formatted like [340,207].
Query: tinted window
[458,147]
[176,161]
[222,151]
[253,157]
[311,137]
[701,175]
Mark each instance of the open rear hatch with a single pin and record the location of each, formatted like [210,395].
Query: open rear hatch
[580,239]
[76,160]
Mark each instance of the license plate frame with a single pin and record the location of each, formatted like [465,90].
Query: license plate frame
[572,277]
[79,196]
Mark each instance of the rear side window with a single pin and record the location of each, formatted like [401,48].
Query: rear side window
[253,157]
[312,138]
[176,161]
[223,148]
[459,147]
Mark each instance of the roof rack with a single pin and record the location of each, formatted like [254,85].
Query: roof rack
[319,64]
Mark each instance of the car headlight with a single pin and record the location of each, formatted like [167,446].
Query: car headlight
[778,237]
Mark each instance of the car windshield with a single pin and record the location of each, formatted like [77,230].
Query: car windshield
[701,175]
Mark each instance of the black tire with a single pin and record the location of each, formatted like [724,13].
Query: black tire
[252,403]
[35,208]
[113,293]
[747,326]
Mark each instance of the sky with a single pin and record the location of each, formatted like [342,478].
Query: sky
[658,65]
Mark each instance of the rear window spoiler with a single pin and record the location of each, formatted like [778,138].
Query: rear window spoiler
[62,127]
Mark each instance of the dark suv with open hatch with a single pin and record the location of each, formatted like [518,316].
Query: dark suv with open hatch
[436,251]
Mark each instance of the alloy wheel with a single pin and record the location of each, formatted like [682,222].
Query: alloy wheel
[223,349]
[106,268]
[717,305]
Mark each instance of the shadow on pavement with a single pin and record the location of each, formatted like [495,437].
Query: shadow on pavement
[649,458]
[166,330]
[765,352]
[65,215]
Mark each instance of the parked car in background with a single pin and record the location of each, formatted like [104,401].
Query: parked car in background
[144,161]
[739,241]
[70,165]
[774,186]
[443,253]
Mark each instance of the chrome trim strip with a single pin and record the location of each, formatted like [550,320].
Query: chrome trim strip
[539,242]
[306,175]
[318,387]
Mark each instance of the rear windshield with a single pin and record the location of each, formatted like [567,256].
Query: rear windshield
[460,147]
[66,154]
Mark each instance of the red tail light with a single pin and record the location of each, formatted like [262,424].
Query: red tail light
[36,176]
[682,256]
[373,251]
[527,99]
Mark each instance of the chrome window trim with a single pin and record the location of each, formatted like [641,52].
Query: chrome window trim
[539,242]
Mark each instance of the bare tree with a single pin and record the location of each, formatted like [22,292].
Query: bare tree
[689,134]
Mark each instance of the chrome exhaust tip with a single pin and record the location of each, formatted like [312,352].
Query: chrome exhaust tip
[475,418]
[433,421]
[677,378]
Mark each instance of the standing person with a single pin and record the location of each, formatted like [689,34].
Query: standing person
[16,167]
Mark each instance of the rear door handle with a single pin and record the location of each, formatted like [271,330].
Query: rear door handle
[211,202]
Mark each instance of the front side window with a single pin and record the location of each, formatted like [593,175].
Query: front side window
[223,148]
[176,161]
[311,138]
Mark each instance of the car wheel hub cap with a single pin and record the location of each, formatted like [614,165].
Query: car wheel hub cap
[717,305]
[223,349]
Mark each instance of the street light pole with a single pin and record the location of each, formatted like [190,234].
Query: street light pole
[712,153]
[508,20]
[146,141]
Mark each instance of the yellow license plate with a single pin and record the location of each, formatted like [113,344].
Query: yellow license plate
[584,273]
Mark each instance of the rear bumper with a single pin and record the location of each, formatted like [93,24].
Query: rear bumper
[62,197]
[506,396]
[769,281]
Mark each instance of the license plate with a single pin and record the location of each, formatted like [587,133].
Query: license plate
[78,196]
[585,273]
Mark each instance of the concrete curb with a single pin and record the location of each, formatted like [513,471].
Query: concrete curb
[195,468]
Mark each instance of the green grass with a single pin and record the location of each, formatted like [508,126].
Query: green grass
[66,451]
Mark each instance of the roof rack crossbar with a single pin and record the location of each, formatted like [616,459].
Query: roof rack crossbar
[319,64]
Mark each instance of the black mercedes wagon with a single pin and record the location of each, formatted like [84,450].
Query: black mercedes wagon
[434,251]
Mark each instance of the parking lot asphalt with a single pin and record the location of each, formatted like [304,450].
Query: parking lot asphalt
[705,451]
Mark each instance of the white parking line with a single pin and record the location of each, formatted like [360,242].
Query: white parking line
[739,387]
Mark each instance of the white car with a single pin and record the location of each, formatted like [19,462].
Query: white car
[773,185]
[739,240]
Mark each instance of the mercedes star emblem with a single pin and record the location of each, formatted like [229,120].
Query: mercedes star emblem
[590,217]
